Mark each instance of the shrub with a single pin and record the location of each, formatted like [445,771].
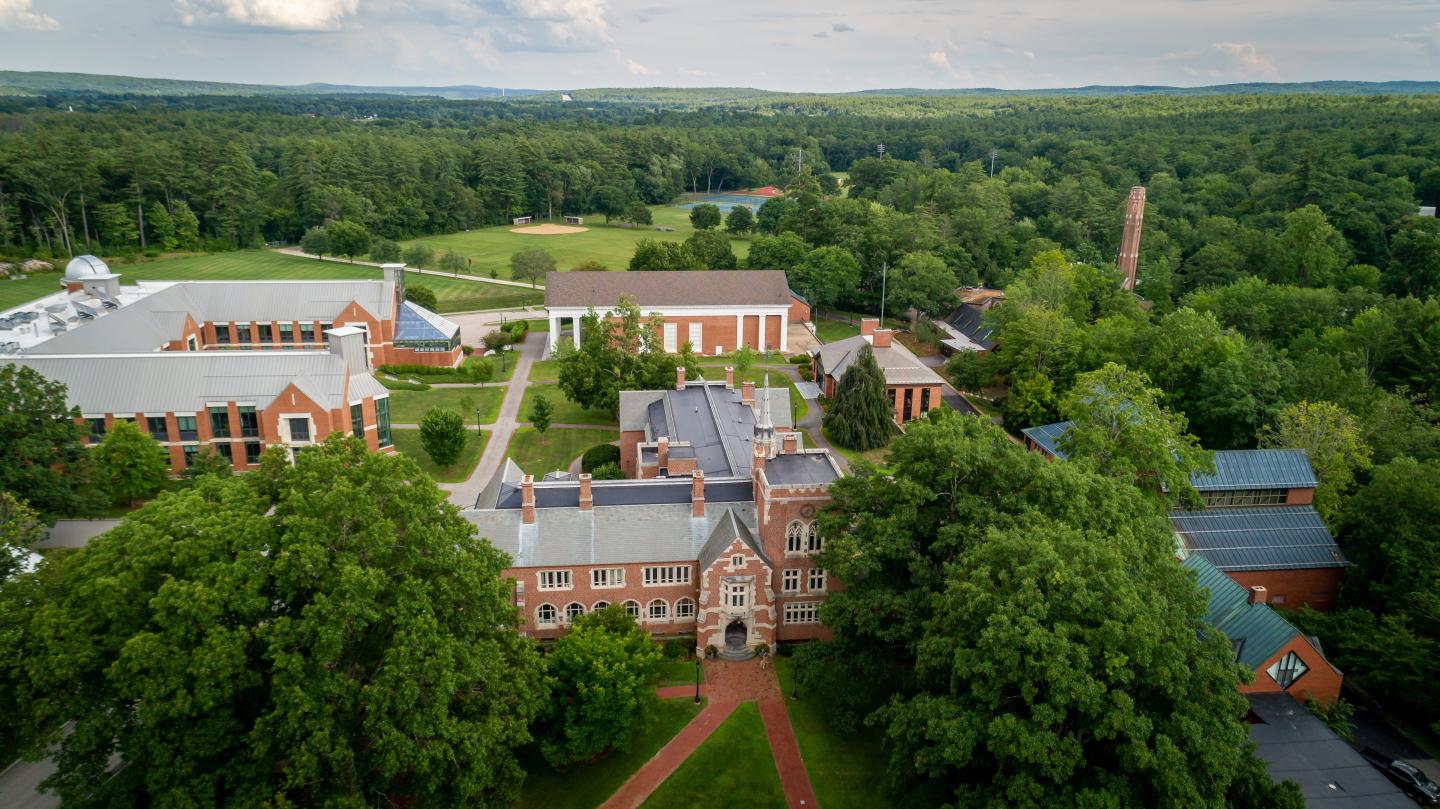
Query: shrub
[598,456]
[467,350]
[1339,716]
[785,650]
[442,434]
[608,471]
[800,359]
[807,373]
[677,649]
[421,296]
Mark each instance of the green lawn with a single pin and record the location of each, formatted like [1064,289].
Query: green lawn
[677,672]
[409,406]
[874,456]
[846,769]
[611,245]
[537,454]
[830,331]
[453,295]
[545,371]
[408,442]
[731,768]
[589,785]
[566,411]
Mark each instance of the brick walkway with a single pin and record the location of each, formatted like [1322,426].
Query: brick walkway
[726,685]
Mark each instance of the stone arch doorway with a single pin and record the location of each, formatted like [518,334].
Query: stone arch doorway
[735,635]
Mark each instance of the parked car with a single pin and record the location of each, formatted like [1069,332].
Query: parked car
[1410,780]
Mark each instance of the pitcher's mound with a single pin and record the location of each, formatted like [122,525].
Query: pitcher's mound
[548,230]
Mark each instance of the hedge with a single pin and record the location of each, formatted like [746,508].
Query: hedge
[599,455]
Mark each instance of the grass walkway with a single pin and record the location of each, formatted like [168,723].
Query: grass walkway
[408,443]
[409,406]
[731,768]
[566,411]
[453,295]
[874,456]
[588,785]
[537,454]
[846,769]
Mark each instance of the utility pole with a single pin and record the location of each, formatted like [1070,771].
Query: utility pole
[884,271]
[880,149]
[992,162]
[799,160]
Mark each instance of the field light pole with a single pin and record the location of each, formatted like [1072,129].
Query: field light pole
[697,677]
[478,431]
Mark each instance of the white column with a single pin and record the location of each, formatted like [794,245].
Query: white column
[576,321]
[739,330]
[552,341]
[760,331]
[784,331]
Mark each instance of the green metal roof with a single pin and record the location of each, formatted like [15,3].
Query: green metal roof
[1257,628]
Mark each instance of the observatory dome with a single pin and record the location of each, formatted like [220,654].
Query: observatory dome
[87,268]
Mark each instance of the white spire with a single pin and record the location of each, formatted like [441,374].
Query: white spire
[765,423]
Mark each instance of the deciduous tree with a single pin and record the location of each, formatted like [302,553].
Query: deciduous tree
[347,238]
[740,220]
[531,265]
[1331,439]
[442,434]
[705,216]
[131,464]
[43,459]
[421,295]
[711,249]
[316,242]
[541,411]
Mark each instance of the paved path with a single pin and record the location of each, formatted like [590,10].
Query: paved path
[726,685]
[464,494]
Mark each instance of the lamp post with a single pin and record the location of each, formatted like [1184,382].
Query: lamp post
[478,431]
[697,677]
[794,680]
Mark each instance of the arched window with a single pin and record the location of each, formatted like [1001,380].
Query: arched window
[545,616]
[816,543]
[685,608]
[659,610]
[633,608]
[795,538]
[573,610]
[599,605]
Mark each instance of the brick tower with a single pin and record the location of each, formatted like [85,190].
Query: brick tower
[1130,240]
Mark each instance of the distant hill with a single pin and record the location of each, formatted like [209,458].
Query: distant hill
[16,82]
[1251,88]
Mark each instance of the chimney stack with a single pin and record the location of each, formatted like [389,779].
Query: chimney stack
[697,494]
[747,393]
[868,325]
[881,338]
[1258,595]
[761,452]
[395,274]
[1130,239]
[662,453]
[587,501]
[729,377]
[790,443]
[527,500]
[348,343]
[679,377]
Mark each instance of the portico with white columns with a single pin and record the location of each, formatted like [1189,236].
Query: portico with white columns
[711,330]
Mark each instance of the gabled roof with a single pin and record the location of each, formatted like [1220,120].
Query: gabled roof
[603,290]
[969,321]
[1257,629]
[1268,538]
[1258,469]
[1047,437]
[718,426]
[415,322]
[895,360]
[727,530]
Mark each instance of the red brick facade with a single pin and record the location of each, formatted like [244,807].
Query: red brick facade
[1316,588]
[1320,682]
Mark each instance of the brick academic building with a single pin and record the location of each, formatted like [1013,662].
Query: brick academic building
[231,367]
[712,535]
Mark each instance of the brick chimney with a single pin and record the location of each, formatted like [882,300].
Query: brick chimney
[662,453]
[527,499]
[679,377]
[881,338]
[790,443]
[1130,239]
[587,501]
[729,377]
[697,493]
[868,325]
[1258,595]
[747,393]
[757,460]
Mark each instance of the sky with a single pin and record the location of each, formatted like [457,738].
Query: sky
[789,45]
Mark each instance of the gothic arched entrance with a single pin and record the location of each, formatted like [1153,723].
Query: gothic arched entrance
[735,635]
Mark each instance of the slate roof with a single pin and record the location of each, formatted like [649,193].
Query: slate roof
[1258,628]
[718,426]
[183,381]
[603,290]
[1297,746]
[607,534]
[1268,538]
[727,530]
[801,469]
[899,365]
[969,321]
[415,322]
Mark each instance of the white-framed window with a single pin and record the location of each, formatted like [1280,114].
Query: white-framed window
[685,608]
[790,581]
[573,610]
[697,337]
[607,577]
[553,580]
[546,615]
[817,579]
[802,612]
[666,575]
[737,594]
[670,338]
[658,610]
[599,605]
[795,538]
[632,607]
[737,561]
[816,544]
[1287,670]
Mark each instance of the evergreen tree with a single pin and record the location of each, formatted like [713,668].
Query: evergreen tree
[161,226]
[187,226]
[861,416]
[131,463]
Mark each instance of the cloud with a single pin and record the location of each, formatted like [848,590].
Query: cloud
[555,26]
[1427,37]
[1235,61]
[841,28]
[634,68]
[16,15]
[283,15]
[988,37]
[940,61]
[820,34]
